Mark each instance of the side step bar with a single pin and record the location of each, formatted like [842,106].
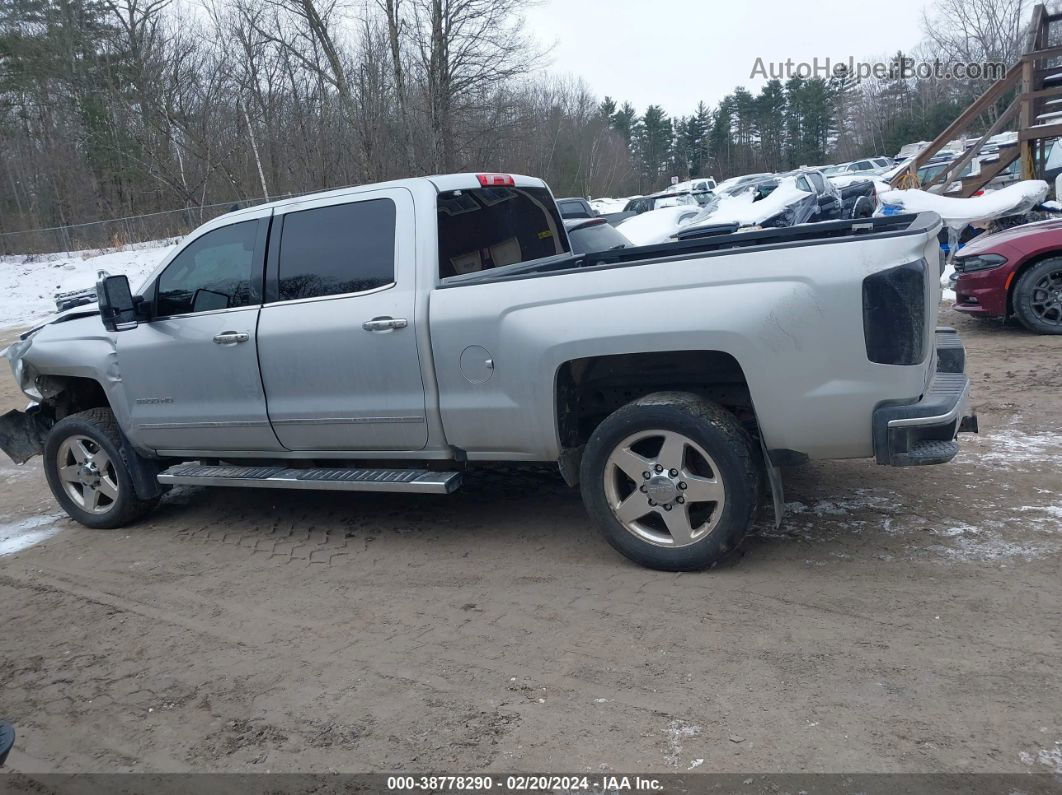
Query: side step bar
[326,479]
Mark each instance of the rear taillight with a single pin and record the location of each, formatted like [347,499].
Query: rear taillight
[894,309]
[496,180]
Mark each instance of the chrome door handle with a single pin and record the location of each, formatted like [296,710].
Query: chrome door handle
[231,337]
[384,323]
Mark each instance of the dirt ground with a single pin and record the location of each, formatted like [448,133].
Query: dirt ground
[901,620]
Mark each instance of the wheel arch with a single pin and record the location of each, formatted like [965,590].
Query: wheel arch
[71,394]
[588,389]
[1027,265]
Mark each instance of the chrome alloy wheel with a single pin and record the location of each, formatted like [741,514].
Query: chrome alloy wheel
[87,474]
[664,488]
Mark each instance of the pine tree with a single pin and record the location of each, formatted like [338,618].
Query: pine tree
[607,108]
[769,114]
[623,121]
[653,145]
[720,139]
[702,121]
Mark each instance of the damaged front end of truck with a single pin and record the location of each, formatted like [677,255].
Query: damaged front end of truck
[22,432]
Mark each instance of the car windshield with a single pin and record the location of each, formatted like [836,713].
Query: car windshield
[592,237]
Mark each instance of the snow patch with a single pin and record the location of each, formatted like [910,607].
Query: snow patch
[23,534]
[985,549]
[28,283]
[678,731]
[657,226]
[860,499]
[945,284]
[1016,447]
[604,206]
[1048,757]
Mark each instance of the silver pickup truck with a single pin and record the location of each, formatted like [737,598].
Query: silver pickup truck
[391,336]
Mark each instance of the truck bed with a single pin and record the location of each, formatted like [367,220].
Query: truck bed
[711,244]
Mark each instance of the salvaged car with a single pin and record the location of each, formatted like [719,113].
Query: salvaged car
[658,201]
[859,197]
[392,336]
[587,235]
[797,197]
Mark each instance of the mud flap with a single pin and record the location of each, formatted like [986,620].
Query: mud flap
[144,472]
[774,478]
[22,435]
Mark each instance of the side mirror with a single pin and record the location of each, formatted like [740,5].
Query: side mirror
[117,305]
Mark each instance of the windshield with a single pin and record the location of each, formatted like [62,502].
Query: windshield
[596,237]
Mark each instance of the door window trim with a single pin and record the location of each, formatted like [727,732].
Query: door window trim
[257,271]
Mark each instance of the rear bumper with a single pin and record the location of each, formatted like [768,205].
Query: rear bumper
[924,432]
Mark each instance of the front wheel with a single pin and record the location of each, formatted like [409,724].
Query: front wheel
[1038,297]
[672,480]
[87,472]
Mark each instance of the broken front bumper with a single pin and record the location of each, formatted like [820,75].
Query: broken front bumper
[924,432]
[22,434]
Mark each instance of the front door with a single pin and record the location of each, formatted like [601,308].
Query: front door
[337,334]
[191,374]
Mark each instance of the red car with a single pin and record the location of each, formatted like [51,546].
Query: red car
[1014,272]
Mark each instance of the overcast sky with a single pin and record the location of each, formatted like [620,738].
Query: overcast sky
[677,52]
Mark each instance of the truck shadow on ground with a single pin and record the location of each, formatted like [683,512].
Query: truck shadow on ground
[834,511]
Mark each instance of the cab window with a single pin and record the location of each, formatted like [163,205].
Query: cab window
[337,250]
[215,271]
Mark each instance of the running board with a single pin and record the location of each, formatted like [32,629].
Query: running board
[326,479]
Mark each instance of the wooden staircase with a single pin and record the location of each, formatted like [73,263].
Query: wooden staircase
[1035,81]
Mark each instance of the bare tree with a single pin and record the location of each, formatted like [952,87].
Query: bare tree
[467,50]
[396,26]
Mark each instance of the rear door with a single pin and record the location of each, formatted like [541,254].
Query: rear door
[336,334]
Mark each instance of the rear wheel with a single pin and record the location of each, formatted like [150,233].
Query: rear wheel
[1038,297]
[672,480]
[87,473]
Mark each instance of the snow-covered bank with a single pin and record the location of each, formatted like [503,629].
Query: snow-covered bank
[28,283]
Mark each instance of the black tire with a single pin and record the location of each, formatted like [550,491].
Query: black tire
[735,461]
[99,427]
[1029,294]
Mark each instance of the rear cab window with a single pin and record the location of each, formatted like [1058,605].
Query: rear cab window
[573,210]
[485,228]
